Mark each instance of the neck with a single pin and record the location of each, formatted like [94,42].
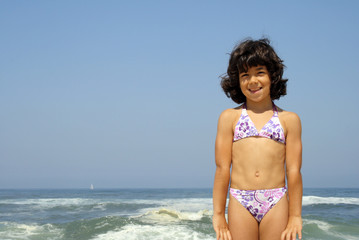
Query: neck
[261,106]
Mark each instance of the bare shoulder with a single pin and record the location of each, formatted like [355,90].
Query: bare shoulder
[290,119]
[229,113]
[229,116]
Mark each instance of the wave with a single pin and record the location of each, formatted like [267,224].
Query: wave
[134,232]
[165,215]
[180,203]
[49,202]
[78,229]
[325,230]
[9,230]
[112,227]
[157,224]
[312,200]
[70,205]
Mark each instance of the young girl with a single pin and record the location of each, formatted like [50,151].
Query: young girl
[262,145]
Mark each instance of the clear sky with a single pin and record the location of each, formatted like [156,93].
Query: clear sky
[126,93]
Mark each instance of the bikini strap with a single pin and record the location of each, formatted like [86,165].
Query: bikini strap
[275,110]
[244,109]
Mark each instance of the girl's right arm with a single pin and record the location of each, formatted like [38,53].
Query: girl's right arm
[223,156]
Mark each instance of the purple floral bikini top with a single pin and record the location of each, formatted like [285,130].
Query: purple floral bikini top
[272,129]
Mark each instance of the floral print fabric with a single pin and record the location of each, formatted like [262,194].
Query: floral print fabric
[272,129]
[258,202]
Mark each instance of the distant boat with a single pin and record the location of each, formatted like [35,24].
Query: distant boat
[91,187]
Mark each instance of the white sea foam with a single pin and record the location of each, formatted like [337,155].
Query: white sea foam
[49,202]
[186,208]
[310,200]
[158,232]
[44,204]
[178,202]
[182,205]
[324,226]
[23,231]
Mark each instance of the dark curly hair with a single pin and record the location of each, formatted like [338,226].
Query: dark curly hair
[251,53]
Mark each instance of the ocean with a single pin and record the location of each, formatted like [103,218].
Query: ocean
[148,214]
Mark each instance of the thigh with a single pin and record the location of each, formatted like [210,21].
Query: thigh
[242,225]
[275,221]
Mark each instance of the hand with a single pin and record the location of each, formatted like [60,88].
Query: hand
[221,227]
[293,228]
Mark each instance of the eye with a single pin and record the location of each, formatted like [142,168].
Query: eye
[244,75]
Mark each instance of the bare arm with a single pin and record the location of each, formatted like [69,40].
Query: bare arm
[294,177]
[223,156]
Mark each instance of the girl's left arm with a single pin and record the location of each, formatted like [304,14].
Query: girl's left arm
[294,177]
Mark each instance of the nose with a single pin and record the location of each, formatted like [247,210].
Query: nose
[253,80]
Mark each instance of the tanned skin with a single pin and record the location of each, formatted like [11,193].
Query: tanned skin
[258,163]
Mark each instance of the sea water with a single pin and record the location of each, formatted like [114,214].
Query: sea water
[148,214]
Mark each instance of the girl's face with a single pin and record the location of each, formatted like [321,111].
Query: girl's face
[255,83]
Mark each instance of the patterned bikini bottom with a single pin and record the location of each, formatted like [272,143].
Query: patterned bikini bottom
[258,202]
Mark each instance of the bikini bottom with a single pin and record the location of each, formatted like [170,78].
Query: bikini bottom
[258,202]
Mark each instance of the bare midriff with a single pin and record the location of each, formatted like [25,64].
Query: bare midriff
[257,163]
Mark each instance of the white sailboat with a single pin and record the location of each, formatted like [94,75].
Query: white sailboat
[91,187]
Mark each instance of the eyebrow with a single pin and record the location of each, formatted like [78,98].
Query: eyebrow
[259,68]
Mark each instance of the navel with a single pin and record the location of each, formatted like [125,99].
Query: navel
[257,174]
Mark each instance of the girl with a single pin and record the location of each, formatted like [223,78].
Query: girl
[262,145]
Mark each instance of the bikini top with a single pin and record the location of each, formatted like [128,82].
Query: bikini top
[272,129]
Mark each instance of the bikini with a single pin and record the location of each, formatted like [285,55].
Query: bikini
[259,202]
[272,129]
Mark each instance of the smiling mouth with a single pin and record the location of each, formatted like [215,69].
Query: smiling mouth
[255,90]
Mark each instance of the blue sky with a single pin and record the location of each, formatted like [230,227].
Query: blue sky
[126,93]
